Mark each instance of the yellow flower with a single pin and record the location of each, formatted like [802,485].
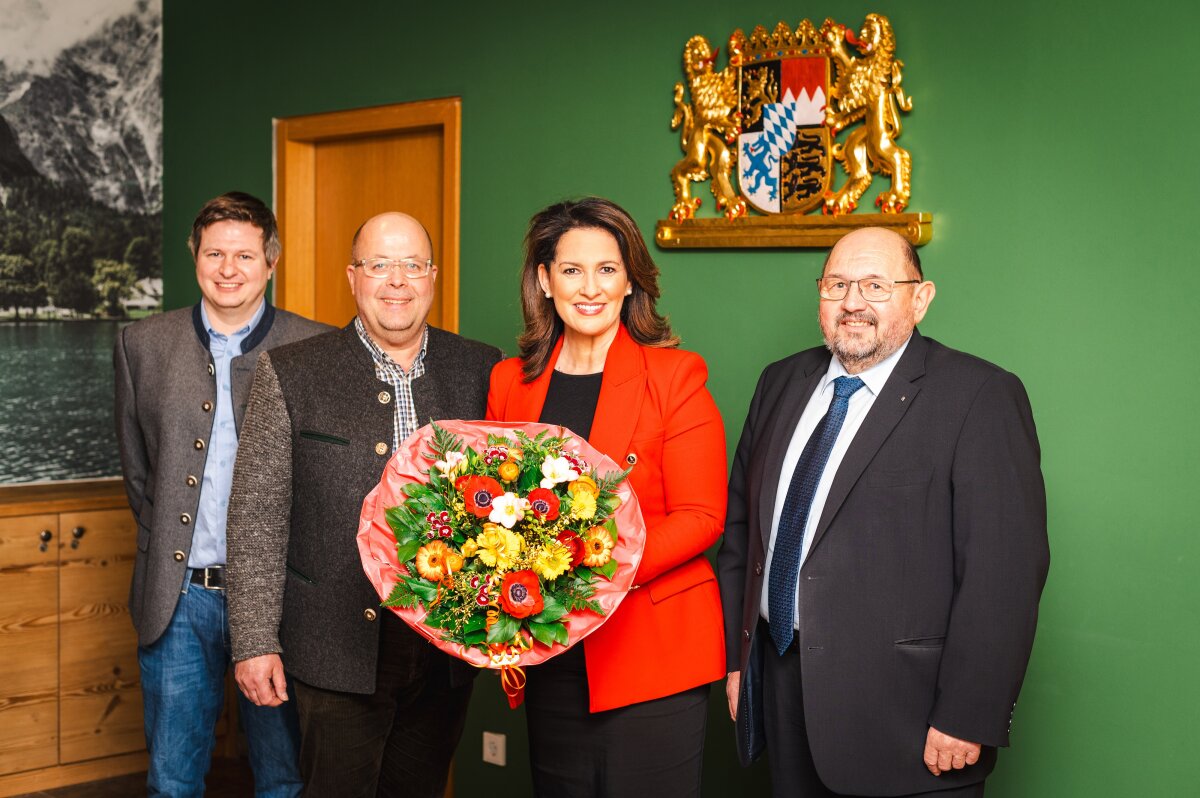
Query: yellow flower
[583,505]
[435,561]
[584,484]
[498,547]
[552,561]
[509,471]
[469,548]
[597,547]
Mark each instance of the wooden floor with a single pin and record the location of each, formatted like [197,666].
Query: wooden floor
[228,778]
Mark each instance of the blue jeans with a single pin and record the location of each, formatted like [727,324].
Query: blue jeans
[183,686]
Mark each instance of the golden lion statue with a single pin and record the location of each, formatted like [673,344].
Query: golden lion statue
[868,88]
[709,125]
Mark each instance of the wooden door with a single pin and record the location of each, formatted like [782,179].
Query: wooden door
[100,696]
[333,171]
[28,643]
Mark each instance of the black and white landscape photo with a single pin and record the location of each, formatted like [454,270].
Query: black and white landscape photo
[80,222]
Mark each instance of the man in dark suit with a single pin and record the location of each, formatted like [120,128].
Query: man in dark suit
[182,381]
[381,710]
[885,547]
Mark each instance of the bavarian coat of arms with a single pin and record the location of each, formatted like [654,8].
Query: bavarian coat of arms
[768,130]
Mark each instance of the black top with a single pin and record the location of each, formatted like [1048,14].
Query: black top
[571,401]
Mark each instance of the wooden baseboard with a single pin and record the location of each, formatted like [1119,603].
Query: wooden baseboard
[64,775]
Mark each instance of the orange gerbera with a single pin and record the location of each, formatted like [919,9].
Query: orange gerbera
[436,561]
[584,484]
[509,471]
[597,547]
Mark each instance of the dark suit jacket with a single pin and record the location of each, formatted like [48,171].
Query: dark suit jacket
[317,435]
[918,601]
[655,414]
[166,394]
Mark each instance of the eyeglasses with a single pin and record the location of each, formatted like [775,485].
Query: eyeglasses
[380,268]
[873,289]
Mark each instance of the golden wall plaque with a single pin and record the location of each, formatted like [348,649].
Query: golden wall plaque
[767,130]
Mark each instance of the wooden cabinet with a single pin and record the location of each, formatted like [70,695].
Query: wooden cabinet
[70,704]
[28,643]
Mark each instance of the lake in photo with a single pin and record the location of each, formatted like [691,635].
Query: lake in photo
[56,400]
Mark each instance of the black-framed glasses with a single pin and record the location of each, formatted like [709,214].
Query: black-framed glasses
[873,289]
[380,268]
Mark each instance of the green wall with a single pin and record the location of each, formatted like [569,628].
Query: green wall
[1052,142]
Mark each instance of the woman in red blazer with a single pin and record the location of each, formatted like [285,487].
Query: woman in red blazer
[626,714]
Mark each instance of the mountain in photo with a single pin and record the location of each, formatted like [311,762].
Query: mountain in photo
[93,120]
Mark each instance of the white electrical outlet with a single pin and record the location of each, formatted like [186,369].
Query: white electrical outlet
[494,748]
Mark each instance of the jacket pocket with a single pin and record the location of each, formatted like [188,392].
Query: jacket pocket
[323,438]
[300,575]
[680,579]
[923,642]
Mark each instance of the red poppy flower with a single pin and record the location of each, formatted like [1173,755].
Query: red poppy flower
[543,503]
[520,595]
[478,493]
[575,544]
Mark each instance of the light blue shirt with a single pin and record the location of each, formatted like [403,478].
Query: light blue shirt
[860,404]
[208,539]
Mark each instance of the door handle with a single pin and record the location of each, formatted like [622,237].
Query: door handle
[76,534]
[45,537]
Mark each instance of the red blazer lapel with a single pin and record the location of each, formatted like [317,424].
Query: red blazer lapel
[622,391]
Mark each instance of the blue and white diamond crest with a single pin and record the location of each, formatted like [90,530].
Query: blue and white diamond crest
[760,152]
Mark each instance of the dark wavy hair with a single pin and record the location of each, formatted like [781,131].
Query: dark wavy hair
[543,326]
[238,206]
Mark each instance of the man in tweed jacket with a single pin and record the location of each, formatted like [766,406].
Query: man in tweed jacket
[381,710]
[182,381]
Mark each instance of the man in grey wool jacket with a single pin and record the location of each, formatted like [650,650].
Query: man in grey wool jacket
[182,381]
[381,710]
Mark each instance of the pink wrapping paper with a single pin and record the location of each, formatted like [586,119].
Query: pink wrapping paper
[377,545]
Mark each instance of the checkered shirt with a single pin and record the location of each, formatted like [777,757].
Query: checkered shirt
[387,370]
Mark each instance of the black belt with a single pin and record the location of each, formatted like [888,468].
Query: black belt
[211,578]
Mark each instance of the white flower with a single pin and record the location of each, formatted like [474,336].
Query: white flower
[508,510]
[455,463]
[556,470]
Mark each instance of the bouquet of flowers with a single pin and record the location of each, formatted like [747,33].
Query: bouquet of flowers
[504,544]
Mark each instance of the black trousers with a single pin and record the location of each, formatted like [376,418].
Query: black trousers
[788,754]
[655,748]
[396,742]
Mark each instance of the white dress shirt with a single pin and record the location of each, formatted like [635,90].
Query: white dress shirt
[818,404]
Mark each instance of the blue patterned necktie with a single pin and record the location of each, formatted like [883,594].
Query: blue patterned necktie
[789,539]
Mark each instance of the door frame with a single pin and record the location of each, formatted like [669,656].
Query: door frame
[295,145]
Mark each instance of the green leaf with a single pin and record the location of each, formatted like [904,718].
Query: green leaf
[543,632]
[552,610]
[560,634]
[475,637]
[406,551]
[399,519]
[417,490]
[475,623]
[401,596]
[584,573]
[425,590]
[503,629]
[611,526]
[608,569]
